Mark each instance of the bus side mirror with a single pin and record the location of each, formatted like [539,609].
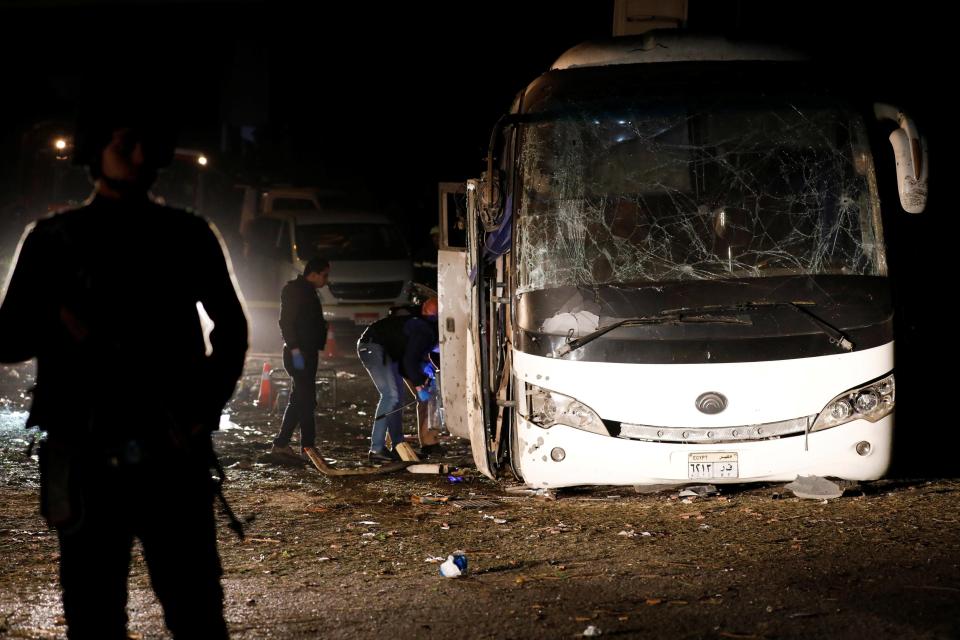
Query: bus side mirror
[910,153]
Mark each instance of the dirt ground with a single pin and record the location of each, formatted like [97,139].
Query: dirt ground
[357,557]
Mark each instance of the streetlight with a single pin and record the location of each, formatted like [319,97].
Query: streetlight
[60,144]
[60,153]
[195,155]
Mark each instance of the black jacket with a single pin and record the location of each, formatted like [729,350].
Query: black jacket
[407,340]
[301,317]
[105,297]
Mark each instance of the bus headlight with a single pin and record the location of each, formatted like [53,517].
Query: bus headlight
[869,402]
[547,408]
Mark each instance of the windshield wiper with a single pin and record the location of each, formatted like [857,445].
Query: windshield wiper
[836,336]
[702,314]
[662,318]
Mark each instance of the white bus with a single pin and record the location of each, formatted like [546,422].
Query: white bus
[674,271]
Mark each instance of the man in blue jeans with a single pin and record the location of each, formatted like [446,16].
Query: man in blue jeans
[394,348]
[304,334]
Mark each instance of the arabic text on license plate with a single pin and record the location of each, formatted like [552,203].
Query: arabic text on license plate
[712,464]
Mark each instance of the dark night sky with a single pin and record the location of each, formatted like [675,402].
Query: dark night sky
[387,99]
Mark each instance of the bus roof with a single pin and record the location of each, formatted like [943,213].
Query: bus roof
[670,46]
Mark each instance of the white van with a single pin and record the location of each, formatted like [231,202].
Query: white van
[370,263]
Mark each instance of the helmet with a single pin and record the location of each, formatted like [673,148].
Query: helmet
[429,307]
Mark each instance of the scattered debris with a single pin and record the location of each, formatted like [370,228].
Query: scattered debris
[434,559]
[455,565]
[475,504]
[543,493]
[814,488]
[429,499]
[495,520]
[321,464]
[520,489]
[654,488]
[592,631]
[430,469]
[699,491]
[406,452]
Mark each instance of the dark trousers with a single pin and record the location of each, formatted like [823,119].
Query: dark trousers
[302,407]
[170,509]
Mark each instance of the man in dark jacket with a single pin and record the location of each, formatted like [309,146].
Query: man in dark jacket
[394,349]
[304,334]
[108,298]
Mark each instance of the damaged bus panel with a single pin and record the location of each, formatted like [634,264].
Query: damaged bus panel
[674,270]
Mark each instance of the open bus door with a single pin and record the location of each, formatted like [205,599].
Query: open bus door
[460,330]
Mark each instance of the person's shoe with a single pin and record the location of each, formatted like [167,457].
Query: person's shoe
[379,457]
[283,450]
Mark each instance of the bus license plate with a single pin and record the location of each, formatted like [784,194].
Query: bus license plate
[706,466]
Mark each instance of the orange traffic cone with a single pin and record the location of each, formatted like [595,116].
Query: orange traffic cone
[331,350]
[264,400]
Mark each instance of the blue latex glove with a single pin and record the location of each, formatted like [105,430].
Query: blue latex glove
[298,362]
[424,394]
[429,370]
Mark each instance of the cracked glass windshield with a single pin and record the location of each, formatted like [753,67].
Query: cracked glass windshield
[697,189]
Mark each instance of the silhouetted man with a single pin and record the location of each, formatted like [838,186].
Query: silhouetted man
[304,334]
[106,297]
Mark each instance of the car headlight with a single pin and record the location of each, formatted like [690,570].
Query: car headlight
[547,408]
[869,402]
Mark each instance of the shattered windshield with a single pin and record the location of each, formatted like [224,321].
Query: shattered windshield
[350,241]
[696,189]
